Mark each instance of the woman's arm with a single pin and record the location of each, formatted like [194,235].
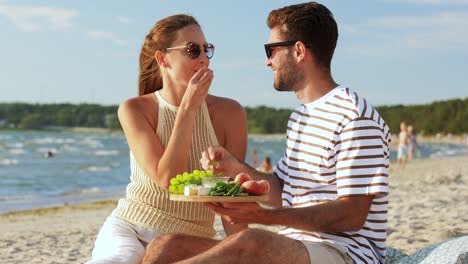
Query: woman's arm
[145,145]
[159,163]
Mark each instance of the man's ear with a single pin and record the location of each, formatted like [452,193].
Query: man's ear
[160,58]
[300,50]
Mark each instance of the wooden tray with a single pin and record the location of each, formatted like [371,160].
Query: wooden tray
[218,199]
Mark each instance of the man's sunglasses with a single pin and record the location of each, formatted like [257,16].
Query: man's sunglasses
[269,47]
[194,49]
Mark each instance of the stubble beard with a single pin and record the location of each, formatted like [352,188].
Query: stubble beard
[287,76]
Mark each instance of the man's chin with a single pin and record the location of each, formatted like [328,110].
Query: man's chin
[282,89]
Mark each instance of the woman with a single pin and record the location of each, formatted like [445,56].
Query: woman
[402,154]
[266,167]
[412,143]
[167,128]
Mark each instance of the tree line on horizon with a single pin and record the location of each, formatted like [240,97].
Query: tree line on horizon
[448,116]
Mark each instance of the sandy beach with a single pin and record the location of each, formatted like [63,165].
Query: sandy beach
[427,205]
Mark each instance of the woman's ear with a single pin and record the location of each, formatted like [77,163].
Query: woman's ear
[160,58]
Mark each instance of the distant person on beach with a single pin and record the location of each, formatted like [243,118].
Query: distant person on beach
[412,142]
[254,158]
[266,167]
[329,191]
[48,154]
[167,127]
[402,154]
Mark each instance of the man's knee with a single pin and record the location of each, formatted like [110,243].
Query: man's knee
[157,246]
[165,241]
[249,241]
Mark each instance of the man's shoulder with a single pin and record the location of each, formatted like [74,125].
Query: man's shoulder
[355,104]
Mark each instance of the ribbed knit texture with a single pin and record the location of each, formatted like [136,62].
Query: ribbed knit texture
[148,205]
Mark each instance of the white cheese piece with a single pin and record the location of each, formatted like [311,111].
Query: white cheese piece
[190,190]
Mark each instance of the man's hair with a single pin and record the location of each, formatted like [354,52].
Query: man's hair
[311,23]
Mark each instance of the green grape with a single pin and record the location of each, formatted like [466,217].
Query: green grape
[187,177]
[179,182]
[180,188]
[172,188]
[174,181]
[196,180]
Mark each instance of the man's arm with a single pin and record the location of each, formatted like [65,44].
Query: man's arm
[344,214]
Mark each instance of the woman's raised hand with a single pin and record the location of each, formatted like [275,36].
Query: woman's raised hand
[197,89]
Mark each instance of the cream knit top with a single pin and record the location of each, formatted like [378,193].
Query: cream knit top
[148,205]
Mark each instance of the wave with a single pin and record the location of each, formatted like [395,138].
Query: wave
[18,198]
[95,169]
[90,142]
[16,151]
[15,145]
[53,140]
[105,153]
[8,162]
[92,190]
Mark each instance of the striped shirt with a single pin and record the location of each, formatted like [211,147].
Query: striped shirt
[338,146]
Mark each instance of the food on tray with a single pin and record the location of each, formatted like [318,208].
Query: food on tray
[199,183]
[256,187]
[211,181]
[179,182]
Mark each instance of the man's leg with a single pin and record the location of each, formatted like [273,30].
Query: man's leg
[171,248]
[254,246]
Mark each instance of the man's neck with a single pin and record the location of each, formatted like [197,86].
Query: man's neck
[314,88]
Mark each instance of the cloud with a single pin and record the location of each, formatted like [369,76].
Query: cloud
[35,19]
[124,20]
[106,35]
[444,30]
[432,2]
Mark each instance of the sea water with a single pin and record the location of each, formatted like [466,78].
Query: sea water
[88,167]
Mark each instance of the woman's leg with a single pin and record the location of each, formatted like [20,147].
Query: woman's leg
[117,242]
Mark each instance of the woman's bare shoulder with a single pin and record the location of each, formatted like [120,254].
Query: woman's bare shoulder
[140,106]
[223,104]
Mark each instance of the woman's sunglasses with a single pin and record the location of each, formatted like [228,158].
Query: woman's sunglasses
[194,49]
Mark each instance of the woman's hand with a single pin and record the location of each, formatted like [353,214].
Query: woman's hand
[220,160]
[197,89]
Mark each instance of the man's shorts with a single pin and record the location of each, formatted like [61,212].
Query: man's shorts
[322,252]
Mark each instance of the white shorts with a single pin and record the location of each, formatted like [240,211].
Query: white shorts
[121,242]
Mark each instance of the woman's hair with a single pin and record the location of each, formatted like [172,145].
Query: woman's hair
[311,23]
[161,36]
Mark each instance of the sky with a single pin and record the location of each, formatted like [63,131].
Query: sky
[389,51]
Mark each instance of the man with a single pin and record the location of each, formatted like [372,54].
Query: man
[330,190]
